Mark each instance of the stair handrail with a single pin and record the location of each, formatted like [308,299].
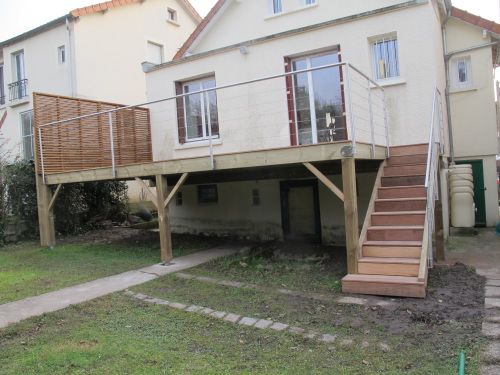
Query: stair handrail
[435,149]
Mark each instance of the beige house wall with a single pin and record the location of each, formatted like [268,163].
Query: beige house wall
[473,109]
[409,97]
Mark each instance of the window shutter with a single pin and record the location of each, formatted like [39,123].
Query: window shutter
[290,103]
[180,113]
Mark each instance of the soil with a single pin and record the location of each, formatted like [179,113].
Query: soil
[455,293]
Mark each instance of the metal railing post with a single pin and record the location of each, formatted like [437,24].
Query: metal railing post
[351,115]
[370,109]
[386,126]
[112,143]
[41,153]
[209,125]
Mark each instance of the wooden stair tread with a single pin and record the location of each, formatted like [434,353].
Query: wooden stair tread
[383,279]
[394,243]
[398,213]
[412,261]
[395,227]
[401,187]
[401,199]
[405,175]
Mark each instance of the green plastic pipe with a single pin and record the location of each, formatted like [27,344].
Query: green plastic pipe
[461,367]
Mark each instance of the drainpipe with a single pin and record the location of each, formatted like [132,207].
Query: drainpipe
[68,58]
[447,5]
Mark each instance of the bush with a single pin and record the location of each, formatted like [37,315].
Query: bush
[79,207]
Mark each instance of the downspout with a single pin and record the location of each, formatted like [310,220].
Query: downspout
[68,58]
[447,89]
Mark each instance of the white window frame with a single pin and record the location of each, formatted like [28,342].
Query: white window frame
[19,67]
[461,65]
[160,50]
[61,55]
[3,97]
[275,6]
[204,114]
[385,56]
[171,15]
[27,138]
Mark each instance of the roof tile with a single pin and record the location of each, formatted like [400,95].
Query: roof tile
[475,20]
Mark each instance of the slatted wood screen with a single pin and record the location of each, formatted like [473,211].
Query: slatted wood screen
[86,143]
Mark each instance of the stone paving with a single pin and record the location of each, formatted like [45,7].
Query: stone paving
[254,322]
[372,301]
[491,323]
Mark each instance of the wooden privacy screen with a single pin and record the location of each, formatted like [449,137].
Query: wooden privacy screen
[86,143]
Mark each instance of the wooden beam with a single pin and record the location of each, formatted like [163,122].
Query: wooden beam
[45,213]
[54,197]
[439,221]
[174,190]
[351,214]
[260,158]
[151,195]
[330,185]
[163,220]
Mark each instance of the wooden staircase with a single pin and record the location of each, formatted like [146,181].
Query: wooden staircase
[392,236]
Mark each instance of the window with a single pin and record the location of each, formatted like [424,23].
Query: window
[317,100]
[178,199]
[255,197]
[61,54]
[386,57]
[171,15]
[207,194]
[2,86]
[27,134]
[18,87]
[155,53]
[308,2]
[198,118]
[275,6]
[461,71]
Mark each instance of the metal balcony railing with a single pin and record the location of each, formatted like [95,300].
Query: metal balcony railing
[18,90]
[2,100]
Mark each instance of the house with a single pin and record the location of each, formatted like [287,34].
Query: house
[91,53]
[314,120]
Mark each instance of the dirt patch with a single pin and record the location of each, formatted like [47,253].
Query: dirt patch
[455,293]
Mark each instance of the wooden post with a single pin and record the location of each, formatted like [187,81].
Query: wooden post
[351,214]
[163,219]
[45,213]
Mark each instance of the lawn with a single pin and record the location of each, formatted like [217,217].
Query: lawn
[28,270]
[120,334]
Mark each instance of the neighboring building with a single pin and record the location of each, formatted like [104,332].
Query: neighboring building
[473,50]
[91,53]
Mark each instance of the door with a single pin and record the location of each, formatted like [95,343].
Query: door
[479,199]
[300,210]
[318,100]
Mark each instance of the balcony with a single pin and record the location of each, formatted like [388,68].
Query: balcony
[18,92]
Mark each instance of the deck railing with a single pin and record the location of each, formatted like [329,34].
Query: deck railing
[436,149]
[328,103]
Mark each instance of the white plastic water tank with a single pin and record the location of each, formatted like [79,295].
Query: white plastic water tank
[462,196]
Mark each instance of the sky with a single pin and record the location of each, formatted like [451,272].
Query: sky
[19,16]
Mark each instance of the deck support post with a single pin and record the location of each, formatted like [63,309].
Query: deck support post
[163,219]
[350,213]
[46,212]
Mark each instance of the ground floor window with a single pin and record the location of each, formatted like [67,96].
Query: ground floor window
[207,194]
[27,124]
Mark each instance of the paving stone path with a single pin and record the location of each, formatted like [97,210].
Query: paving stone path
[253,322]
[491,323]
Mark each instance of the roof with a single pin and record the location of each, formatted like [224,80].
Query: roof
[80,12]
[475,20]
[115,3]
[196,33]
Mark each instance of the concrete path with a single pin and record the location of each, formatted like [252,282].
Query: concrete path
[33,306]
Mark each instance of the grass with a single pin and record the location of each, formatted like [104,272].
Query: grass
[122,335]
[119,334]
[28,270]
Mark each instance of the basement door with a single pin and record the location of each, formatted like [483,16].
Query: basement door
[479,199]
[300,214]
